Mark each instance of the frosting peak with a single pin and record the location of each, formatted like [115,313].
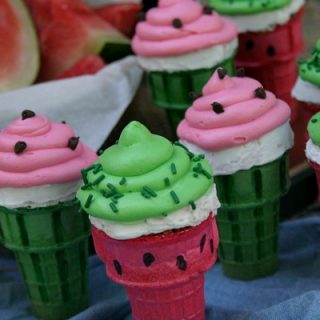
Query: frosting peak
[178,27]
[35,151]
[143,176]
[309,69]
[232,111]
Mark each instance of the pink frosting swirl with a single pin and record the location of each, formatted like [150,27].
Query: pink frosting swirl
[157,37]
[245,115]
[46,157]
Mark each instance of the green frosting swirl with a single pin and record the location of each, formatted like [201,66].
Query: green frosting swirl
[142,176]
[313,128]
[309,69]
[243,7]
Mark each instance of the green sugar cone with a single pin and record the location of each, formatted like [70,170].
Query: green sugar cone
[51,247]
[171,90]
[248,219]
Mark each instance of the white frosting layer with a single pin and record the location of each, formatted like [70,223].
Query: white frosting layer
[312,151]
[101,3]
[202,59]
[267,21]
[38,196]
[258,152]
[306,92]
[181,218]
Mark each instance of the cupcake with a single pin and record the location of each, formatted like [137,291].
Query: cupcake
[313,147]
[180,44]
[307,88]
[244,133]
[40,168]
[152,205]
[270,40]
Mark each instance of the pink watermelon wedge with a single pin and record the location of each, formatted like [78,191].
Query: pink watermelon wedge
[74,32]
[19,53]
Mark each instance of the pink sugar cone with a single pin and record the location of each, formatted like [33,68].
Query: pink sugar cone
[270,57]
[163,274]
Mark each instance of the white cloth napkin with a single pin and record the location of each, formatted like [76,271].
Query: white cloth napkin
[91,105]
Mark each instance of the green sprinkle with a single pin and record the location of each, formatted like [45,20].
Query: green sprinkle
[89,201]
[86,186]
[192,204]
[123,181]
[167,182]
[111,187]
[84,173]
[174,197]
[114,200]
[108,194]
[97,168]
[118,195]
[173,168]
[98,180]
[195,175]
[145,194]
[113,207]
[198,158]
[164,214]
[147,189]
[206,173]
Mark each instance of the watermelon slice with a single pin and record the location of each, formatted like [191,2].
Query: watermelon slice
[74,32]
[88,65]
[41,12]
[19,53]
[122,16]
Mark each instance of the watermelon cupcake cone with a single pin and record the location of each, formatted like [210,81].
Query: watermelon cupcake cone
[244,132]
[153,223]
[312,150]
[307,87]
[180,44]
[270,40]
[39,216]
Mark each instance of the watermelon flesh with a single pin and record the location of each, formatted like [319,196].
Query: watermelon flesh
[88,65]
[73,32]
[19,50]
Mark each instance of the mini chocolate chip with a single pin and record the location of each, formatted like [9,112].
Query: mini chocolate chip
[25,114]
[249,44]
[202,242]
[19,147]
[260,93]
[117,266]
[240,72]
[271,51]
[177,23]
[217,107]
[194,95]
[181,263]
[222,72]
[148,259]
[73,142]
[211,246]
[63,122]
[207,10]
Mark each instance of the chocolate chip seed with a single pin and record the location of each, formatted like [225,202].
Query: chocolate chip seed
[177,23]
[222,72]
[25,114]
[260,93]
[73,142]
[217,107]
[19,147]
[181,263]
[117,266]
[148,259]
[271,51]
